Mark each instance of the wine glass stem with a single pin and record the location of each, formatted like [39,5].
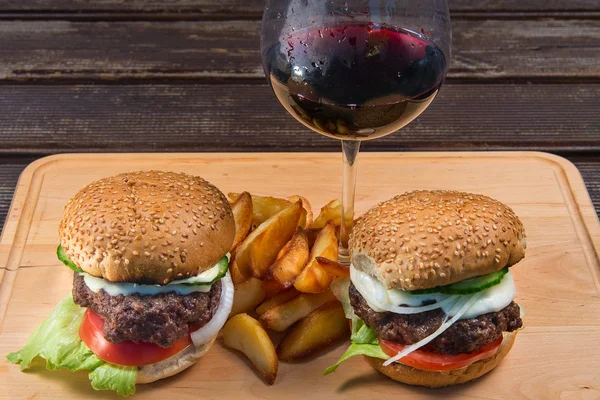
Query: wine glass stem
[350,150]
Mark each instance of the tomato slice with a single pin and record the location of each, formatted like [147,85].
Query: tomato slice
[431,361]
[127,353]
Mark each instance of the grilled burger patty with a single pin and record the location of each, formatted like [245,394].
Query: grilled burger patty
[464,336]
[162,319]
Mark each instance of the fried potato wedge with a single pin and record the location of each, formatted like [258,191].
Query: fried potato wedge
[272,287]
[236,275]
[242,214]
[333,268]
[306,205]
[331,211]
[279,298]
[283,315]
[263,207]
[326,243]
[313,279]
[291,260]
[245,334]
[320,329]
[247,295]
[259,250]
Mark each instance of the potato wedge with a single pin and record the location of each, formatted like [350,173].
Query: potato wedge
[259,250]
[326,243]
[247,295]
[263,207]
[320,329]
[313,279]
[244,333]
[282,316]
[279,298]
[236,275]
[306,205]
[331,211]
[272,287]
[291,260]
[242,214]
[333,268]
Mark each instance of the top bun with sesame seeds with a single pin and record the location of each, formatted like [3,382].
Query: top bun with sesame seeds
[148,227]
[424,239]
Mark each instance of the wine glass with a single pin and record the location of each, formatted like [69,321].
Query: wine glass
[355,70]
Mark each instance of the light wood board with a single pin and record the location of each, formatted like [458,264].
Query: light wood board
[558,283]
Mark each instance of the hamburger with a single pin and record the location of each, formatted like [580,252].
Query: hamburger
[151,288]
[431,292]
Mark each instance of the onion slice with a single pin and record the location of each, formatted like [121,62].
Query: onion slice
[212,328]
[462,304]
[419,309]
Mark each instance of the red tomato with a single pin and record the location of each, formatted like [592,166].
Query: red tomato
[127,353]
[431,361]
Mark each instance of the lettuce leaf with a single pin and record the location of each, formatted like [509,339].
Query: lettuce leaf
[57,341]
[364,342]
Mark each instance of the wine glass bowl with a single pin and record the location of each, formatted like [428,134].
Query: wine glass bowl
[355,70]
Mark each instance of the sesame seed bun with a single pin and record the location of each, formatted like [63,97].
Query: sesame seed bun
[147,227]
[174,364]
[413,376]
[424,239]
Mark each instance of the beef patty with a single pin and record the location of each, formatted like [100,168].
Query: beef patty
[162,319]
[464,336]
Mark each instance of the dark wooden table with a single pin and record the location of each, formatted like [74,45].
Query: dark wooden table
[185,75]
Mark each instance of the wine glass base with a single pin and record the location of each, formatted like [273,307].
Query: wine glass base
[344,257]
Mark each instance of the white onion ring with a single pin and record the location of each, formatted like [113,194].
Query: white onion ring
[212,328]
[462,305]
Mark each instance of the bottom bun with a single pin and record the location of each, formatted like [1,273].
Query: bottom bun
[174,364]
[413,376]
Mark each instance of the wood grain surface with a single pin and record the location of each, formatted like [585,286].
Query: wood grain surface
[482,49]
[254,7]
[557,355]
[45,119]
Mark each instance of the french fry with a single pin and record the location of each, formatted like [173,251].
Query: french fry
[307,207]
[247,295]
[242,214]
[263,207]
[314,278]
[259,250]
[291,259]
[279,298]
[333,268]
[282,316]
[320,329]
[243,333]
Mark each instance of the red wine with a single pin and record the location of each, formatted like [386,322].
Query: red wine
[357,81]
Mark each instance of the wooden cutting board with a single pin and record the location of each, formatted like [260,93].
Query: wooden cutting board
[558,283]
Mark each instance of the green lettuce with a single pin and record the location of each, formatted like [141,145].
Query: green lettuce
[57,341]
[364,342]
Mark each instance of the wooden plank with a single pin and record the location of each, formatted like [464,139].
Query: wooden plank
[46,119]
[483,49]
[255,7]
[589,167]
[557,354]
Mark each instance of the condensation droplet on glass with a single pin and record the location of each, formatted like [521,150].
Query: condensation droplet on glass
[399,74]
[278,15]
[345,6]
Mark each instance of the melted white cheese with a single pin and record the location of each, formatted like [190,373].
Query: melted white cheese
[381,299]
[95,284]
